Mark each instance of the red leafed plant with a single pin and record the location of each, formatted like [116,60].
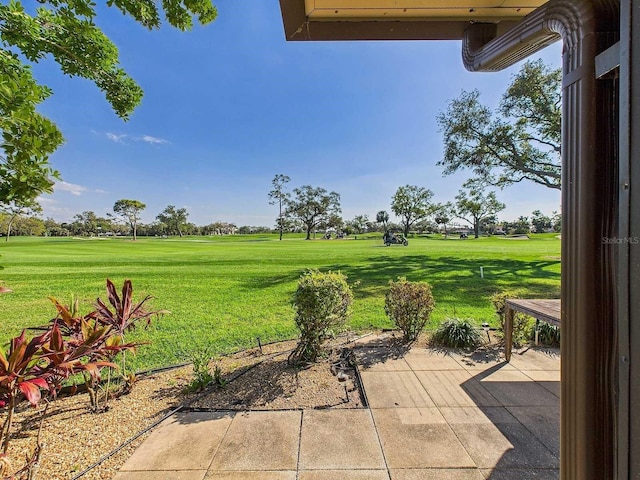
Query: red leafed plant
[70,344]
[122,317]
[41,363]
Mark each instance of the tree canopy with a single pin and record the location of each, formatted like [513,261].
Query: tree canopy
[411,204]
[474,205]
[382,217]
[64,30]
[313,206]
[519,141]
[174,219]
[129,210]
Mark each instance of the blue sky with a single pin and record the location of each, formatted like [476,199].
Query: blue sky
[230,105]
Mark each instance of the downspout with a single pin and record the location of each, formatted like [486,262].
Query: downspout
[589,439]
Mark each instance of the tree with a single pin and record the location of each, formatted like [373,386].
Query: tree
[411,203]
[473,206]
[66,31]
[130,210]
[382,217]
[279,197]
[16,208]
[556,220]
[541,222]
[442,215]
[85,223]
[174,219]
[313,206]
[520,141]
[359,223]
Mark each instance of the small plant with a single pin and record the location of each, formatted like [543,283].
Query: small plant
[200,357]
[409,305]
[322,302]
[548,335]
[456,333]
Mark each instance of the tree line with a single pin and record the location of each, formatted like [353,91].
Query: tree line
[309,209]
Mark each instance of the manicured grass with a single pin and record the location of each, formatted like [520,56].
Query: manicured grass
[231,290]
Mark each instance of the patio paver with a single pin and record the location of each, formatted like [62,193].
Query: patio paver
[504,446]
[437,474]
[419,438]
[161,475]
[395,389]
[514,388]
[260,441]
[252,475]
[186,441]
[339,440]
[455,388]
[431,360]
[343,475]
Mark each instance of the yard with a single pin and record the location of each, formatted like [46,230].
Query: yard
[228,291]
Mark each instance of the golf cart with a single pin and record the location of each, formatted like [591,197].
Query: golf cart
[390,238]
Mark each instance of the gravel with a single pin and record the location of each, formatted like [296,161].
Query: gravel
[74,438]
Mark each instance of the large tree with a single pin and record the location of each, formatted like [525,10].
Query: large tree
[411,203]
[130,211]
[521,140]
[65,31]
[474,205]
[442,215]
[359,223]
[174,219]
[279,197]
[313,206]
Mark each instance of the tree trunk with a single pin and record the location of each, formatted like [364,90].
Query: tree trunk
[476,227]
[9,228]
[308,233]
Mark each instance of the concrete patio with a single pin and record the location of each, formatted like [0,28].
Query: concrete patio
[432,415]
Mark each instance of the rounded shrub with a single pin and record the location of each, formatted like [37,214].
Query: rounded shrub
[409,305]
[322,303]
[523,325]
[456,333]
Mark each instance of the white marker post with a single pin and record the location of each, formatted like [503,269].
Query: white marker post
[481,272]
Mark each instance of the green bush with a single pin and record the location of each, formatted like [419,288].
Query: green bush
[322,303]
[522,324]
[409,305]
[456,333]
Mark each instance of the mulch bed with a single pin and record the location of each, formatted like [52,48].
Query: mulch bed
[74,438]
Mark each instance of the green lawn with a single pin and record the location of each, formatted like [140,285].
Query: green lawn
[231,290]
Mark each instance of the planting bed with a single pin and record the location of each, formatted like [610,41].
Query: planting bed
[74,438]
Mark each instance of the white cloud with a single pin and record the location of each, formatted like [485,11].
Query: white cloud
[115,137]
[99,190]
[72,188]
[153,140]
[122,137]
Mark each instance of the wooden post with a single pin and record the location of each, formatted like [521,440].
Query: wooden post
[508,332]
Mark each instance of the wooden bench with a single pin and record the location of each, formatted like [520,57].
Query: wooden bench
[547,310]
